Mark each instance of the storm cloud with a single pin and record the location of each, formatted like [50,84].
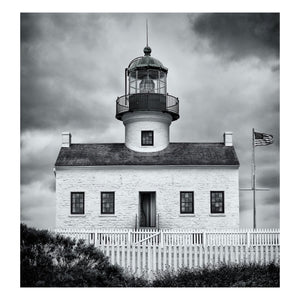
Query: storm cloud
[240,35]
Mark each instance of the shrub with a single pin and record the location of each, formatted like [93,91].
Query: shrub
[49,260]
[224,276]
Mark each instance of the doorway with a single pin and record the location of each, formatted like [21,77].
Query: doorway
[147,209]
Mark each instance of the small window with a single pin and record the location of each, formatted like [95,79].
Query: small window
[217,202]
[77,203]
[147,138]
[186,202]
[107,203]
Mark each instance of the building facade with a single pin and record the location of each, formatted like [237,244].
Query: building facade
[147,182]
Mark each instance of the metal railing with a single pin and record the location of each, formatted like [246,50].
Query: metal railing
[147,102]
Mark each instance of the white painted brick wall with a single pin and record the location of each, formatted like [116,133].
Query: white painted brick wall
[137,121]
[166,181]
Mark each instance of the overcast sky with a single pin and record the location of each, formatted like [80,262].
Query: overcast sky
[223,67]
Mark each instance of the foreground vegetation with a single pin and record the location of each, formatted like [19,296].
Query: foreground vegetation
[55,261]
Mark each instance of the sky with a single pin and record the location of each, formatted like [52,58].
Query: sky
[224,68]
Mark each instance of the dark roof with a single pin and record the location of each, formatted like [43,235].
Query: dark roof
[146,62]
[175,154]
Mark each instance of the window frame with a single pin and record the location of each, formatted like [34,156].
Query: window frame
[71,208]
[223,202]
[193,205]
[101,203]
[147,131]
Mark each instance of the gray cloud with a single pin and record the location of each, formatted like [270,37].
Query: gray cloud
[60,85]
[240,35]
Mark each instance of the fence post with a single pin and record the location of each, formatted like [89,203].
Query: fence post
[248,239]
[95,238]
[129,237]
[162,238]
[204,238]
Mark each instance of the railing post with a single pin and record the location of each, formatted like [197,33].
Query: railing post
[162,238]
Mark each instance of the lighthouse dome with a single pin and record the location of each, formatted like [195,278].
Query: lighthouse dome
[146,62]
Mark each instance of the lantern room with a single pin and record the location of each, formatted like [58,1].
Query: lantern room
[146,88]
[147,75]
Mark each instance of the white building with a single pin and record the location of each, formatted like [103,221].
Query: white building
[147,181]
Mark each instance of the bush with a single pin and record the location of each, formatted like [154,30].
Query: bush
[54,261]
[224,276]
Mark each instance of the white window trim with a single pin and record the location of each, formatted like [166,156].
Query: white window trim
[187,215]
[217,215]
[77,215]
[107,215]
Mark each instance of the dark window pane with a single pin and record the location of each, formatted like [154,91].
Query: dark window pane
[187,202]
[107,202]
[147,138]
[77,203]
[217,202]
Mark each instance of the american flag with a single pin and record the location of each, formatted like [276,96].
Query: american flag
[262,139]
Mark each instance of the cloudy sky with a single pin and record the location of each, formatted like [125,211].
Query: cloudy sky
[223,67]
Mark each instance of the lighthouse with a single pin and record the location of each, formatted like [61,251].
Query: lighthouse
[148,181]
[146,109]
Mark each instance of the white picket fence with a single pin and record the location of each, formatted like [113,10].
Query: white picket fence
[147,260]
[148,251]
[174,237]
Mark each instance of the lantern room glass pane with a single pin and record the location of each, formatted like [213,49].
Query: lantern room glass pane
[133,82]
[147,81]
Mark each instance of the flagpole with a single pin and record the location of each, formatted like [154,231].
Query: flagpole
[253,178]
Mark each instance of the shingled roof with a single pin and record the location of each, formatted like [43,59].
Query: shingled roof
[205,154]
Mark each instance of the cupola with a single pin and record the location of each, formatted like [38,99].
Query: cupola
[146,88]
[146,108]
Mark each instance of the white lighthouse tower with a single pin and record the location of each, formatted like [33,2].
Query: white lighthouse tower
[146,109]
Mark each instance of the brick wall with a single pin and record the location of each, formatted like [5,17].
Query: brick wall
[166,181]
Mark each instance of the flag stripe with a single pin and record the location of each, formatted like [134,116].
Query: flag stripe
[262,139]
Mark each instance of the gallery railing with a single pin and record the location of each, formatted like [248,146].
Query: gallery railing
[147,102]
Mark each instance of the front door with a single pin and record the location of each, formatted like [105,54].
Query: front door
[147,209]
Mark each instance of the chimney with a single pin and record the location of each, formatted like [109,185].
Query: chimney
[66,139]
[228,138]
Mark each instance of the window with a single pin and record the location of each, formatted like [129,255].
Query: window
[107,203]
[147,138]
[77,203]
[217,202]
[186,202]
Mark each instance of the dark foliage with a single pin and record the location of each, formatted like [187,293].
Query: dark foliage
[224,276]
[54,261]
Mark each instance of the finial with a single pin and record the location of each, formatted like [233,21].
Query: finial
[147,32]
[147,49]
